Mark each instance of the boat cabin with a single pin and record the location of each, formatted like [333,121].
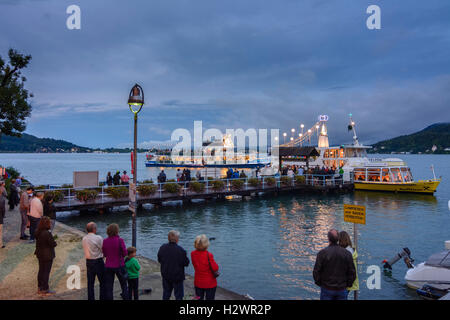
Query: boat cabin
[383,174]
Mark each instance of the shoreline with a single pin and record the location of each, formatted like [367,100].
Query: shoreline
[18,268]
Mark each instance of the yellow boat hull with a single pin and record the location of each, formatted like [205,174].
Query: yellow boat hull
[421,186]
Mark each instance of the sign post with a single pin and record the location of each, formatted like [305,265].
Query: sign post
[356,215]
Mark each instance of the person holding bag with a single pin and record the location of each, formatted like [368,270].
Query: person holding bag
[206,269]
[114,250]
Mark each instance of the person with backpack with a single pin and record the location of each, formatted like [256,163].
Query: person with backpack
[206,269]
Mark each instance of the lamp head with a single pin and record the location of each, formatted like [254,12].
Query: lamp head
[136,99]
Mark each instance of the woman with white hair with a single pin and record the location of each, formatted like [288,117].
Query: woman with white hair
[206,269]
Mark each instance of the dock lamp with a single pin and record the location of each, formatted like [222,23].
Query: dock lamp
[135,102]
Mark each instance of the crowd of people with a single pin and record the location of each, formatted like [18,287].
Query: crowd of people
[117,179]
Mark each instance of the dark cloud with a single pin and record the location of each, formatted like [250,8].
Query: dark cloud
[271,64]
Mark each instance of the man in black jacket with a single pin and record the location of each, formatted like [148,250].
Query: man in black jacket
[334,270]
[173,260]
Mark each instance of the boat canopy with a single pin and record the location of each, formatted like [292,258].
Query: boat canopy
[298,151]
[441,259]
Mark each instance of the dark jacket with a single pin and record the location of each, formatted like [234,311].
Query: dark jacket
[2,208]
[49,210]
[173,259]
[45,245]
[334,268]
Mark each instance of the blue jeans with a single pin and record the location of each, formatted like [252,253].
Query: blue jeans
[109,283]
[177,287]
[95,268]
[326,294]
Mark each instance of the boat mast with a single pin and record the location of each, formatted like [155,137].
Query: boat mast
[351,126]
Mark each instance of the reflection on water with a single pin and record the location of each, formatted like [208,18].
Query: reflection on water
[267,246]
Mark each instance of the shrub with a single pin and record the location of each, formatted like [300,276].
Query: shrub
[172,187]
[148,181]
[300,179]
[12,172]
[67,186]
[171,180]
[217,185]
[197,186]
[254,182]
[270,181]
[146,190]
[58,195]
[237,184]
[210,178]
[41,187]
[117,192]
[86,194]
[286,181]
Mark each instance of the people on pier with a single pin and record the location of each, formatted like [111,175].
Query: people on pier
[35,214]
[114,250]
[125,178]
[162,177]
[116,178]
[346,243]
[45,253]
[179,175]
[334,270]
[109,179]
[206,269]
[50,210]
[95,266]
[173,260]
[133,267]
[3,196]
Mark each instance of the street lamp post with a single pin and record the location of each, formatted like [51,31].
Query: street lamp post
[135,102]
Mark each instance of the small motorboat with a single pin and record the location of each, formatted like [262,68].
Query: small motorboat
[430,279]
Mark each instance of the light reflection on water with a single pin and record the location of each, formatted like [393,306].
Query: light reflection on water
[267,246]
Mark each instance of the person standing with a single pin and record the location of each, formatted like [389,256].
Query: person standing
[13,199]
[346,243]
[133,267]
[178,175]
[206,269]
[45,253]
[95,267]
[2,210]
[173,260]
[116,178]
[109,179]
[36,213]
[114,250]
[50,210]
[334,270]
[125,178]
[24,208]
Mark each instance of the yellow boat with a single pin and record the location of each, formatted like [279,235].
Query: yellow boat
[391,175]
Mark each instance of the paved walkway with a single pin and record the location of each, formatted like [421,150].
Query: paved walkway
[19,267]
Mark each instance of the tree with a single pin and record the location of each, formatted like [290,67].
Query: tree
[14,106]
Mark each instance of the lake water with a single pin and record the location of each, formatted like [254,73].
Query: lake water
[266,246]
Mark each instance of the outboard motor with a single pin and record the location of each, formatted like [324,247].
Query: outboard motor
[405,254]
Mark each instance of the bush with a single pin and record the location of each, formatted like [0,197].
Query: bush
[67,186]
[146,190]
[117,192]
[218,185]
[254,182]
[172,187]
[197,186]
[270,181]
[147,181]
[58,195]
[12,172]
[86,194]
[286,181]
[237,184]
[300,179]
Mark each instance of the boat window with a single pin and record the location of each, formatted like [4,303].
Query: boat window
[341,153]
[373,174]
[396,175]
[406,173]
[385,175]
[325,154]
[360,174]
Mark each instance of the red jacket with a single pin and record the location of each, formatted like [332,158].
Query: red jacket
[204,277]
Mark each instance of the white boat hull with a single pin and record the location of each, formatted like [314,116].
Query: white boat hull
[421,274]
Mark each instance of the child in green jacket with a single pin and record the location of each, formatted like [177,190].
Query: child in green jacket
[133,267]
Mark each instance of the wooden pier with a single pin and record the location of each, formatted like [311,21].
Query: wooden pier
[104,201]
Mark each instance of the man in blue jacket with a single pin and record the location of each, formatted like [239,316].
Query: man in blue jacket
[173,260]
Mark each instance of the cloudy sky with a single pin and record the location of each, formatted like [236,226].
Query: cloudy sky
[232,64]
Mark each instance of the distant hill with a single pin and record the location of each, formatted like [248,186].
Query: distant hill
[30,143]
[432,139]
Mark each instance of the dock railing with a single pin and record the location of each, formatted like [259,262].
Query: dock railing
[211,186]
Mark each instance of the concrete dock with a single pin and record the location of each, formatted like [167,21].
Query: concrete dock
[19,268]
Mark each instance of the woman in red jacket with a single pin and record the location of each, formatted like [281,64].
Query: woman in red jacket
[206,269]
